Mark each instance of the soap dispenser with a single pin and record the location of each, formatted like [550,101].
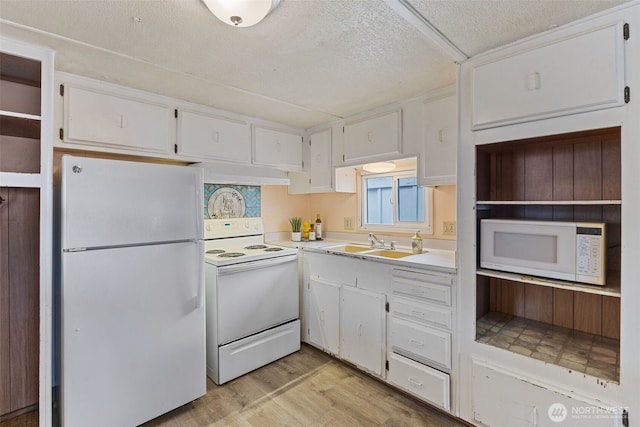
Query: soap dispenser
[416,243]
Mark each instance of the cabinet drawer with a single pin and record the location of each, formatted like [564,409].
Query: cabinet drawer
[420,380]
[424,313]
[421,342]
[426,286]
[581,72]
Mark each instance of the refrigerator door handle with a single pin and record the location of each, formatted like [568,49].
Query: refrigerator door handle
[200,290]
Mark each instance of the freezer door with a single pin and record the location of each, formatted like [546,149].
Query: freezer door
[114,203]
[133,333]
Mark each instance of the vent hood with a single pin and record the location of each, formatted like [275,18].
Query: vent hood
[227,173]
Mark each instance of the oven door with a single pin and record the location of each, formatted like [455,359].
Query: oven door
[254,296]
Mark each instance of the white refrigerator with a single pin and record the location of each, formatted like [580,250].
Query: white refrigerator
[131,291]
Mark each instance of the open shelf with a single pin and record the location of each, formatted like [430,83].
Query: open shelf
[549,202]
[578,351]
[612,288]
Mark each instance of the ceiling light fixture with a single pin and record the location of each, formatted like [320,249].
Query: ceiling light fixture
[379,167]
[241,13]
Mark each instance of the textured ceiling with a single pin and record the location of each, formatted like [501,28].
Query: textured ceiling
[308,62]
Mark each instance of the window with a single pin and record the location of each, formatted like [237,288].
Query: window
[394,201]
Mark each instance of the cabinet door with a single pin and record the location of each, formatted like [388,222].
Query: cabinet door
[277,148]
[363,329]
[210,137]
[502,399]
[323,318]
[578,73]
[372,138]
[320,167]
[437,163]
[97,118]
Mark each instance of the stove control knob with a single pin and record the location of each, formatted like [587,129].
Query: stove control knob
[207,227]
[246,224]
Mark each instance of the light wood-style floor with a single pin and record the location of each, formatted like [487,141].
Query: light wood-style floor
[307,388]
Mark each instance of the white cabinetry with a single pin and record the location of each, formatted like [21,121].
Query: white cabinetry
[420,334]
[320,165]
[437,160]
[362,328]
[373,137]
[323,316]
[579,72]
[94,117]
[206,136]
[531,403]
[277,148]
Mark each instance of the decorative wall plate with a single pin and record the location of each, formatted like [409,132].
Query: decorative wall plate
[226,203]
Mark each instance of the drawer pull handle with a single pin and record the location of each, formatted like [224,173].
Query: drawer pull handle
[322,316]
[417,313]
[414,382]
[360,330]
[416,343]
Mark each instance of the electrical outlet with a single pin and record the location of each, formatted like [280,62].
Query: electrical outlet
[448,228]
[348,222]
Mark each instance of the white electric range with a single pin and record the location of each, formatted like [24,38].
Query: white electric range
[252,298]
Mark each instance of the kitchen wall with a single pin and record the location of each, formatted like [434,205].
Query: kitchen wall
[278,206]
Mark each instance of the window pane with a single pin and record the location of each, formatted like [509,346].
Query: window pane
[410,200]
[378,193]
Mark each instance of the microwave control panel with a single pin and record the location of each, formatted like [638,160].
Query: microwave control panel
[590,254]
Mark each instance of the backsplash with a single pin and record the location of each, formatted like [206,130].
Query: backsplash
[231,201]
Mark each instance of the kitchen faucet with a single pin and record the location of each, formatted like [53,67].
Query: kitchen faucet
[374,239]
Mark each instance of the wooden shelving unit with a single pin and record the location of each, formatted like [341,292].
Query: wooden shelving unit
[571,177]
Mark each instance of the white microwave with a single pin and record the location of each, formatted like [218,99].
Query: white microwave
[572,251]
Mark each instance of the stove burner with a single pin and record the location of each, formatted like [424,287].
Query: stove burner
[273,249]
[215,251]
[255,247]
[231,254]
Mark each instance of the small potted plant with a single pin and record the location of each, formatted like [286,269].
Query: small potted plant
[296,223]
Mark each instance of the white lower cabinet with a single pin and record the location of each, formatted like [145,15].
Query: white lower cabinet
[323,315]
[505,399]
[362,329]
[425,382]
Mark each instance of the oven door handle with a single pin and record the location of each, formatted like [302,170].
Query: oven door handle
[252,265]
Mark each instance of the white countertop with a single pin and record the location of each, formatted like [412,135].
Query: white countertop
[440,259]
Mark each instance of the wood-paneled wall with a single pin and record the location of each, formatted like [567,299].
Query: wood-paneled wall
[581,311]
[19,297]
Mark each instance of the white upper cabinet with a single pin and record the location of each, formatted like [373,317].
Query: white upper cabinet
[320,167]
[94,117]
[277,148]
[579,72]
[212,137]
[437,160]
[373,138]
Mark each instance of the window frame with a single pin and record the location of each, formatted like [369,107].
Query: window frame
[425,227]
